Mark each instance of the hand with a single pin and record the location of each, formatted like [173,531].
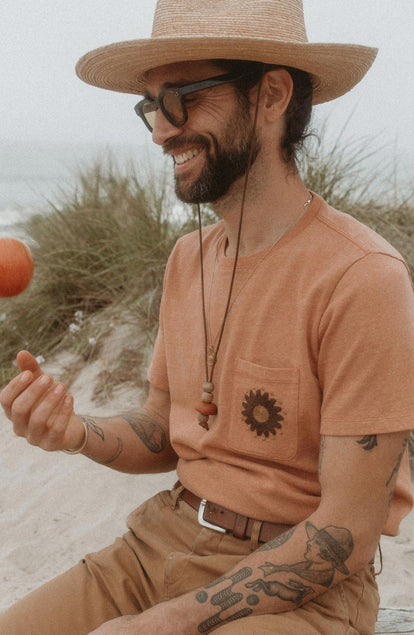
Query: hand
[40,409]
[167,618]
[120,626]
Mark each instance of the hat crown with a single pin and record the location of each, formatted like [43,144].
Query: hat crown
[269,19]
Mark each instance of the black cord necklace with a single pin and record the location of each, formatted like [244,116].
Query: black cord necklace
[206,407]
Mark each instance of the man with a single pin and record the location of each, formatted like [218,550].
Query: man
[281,381]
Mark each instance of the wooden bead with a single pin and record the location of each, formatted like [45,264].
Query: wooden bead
[208,387]
[206,408]
[207,397]
[203,421]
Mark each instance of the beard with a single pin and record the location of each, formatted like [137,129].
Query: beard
[225,162]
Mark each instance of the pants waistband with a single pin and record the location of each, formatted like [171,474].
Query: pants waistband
[221,519]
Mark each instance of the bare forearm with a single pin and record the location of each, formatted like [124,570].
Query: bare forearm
[133,442]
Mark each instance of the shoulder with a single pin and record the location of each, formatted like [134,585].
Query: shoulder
[343,252]
[351,237]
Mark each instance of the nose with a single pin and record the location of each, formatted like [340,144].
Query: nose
[163,129]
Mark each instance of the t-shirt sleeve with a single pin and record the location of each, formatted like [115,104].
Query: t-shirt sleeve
[157,373]
[366,355]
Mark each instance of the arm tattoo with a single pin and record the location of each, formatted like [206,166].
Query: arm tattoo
[278,541]
[321,452]
[92,426]
[326,552]
[368,442]
[116,454]
[397,466]
[225,600]
[148,430]
[393,476]
[294,591]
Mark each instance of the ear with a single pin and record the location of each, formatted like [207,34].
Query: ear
[277,90]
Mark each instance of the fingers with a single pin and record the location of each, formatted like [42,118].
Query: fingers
[46,397]
[54,437]
[26,361]
[13,389]
[39,409]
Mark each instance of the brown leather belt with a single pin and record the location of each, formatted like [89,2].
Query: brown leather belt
[222,519]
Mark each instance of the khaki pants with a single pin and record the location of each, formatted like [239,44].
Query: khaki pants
[164,554]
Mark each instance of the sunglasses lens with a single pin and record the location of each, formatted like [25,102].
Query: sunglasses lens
[148,111]
[172,105]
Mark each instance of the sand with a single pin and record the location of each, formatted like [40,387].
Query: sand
[55,507]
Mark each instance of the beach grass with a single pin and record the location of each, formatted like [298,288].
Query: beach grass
[100,251]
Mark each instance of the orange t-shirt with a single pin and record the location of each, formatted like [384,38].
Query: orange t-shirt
[319,340]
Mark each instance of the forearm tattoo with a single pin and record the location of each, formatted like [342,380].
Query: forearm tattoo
[149,431]
[327,551]
[144,426]
[116,454]
[92,426]
[224,600]
[278,541]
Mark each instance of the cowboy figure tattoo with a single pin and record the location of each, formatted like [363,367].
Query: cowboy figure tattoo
[326,552]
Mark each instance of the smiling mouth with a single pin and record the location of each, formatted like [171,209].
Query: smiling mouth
[180,159]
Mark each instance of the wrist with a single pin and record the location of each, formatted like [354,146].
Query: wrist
[79,444]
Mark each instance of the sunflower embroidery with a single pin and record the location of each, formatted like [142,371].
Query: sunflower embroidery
[261,413]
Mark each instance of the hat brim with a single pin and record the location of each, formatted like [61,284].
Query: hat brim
[335,68]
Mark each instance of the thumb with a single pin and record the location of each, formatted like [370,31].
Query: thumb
[26,361]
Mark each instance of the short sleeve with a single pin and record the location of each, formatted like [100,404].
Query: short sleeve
[366,355]
[157,373]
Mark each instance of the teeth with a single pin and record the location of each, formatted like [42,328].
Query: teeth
[183,158]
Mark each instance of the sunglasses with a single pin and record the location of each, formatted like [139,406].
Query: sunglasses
[171,101]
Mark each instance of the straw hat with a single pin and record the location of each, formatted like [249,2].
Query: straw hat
[269,31]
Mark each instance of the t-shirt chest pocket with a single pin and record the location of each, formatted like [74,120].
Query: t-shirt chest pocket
[261,418]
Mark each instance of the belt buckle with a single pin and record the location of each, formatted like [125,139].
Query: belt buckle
[203,522]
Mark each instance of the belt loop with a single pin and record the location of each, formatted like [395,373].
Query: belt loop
[254,538]
[176,493]
[240,526]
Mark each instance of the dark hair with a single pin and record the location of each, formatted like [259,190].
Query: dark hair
[299,111]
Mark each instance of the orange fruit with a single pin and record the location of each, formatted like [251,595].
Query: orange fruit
[16,267]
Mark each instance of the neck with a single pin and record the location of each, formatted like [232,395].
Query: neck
[274,203]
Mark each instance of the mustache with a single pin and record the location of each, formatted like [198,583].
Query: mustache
[183,142]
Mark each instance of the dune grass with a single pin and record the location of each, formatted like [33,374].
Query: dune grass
[103,246]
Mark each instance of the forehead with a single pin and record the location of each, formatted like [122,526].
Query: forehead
[180,72]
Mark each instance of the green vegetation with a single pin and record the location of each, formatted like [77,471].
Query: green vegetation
[100,252]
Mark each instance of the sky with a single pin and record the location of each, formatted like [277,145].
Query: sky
[42,99]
